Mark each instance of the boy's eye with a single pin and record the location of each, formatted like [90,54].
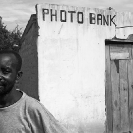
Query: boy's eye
[5,71]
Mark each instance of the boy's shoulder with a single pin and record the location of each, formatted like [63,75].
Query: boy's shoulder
[32,102]
[37,113]
[33,105]
[37,110]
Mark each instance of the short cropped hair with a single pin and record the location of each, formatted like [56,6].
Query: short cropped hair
[17,55]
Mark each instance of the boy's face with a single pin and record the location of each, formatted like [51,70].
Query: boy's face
[8,72]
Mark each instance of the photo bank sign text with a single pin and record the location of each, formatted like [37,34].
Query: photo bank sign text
[94,18]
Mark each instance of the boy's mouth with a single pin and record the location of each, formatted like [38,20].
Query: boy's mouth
[2,88]
[2,85]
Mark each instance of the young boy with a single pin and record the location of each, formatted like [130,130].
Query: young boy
[20,113]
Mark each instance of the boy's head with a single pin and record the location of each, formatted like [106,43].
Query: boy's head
[10,66]
[18,58]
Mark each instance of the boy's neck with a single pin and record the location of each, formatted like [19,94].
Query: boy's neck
[10,98]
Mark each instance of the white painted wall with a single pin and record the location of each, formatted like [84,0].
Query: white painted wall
[72,66]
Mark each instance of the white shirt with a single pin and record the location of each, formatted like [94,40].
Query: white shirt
[28,116]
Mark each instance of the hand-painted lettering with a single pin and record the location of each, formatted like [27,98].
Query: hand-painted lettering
[111,20]
[99,19]
[45,11]
[80,17]
[106,20]
[92,18]
[53,15]
[71,15]
[62,15]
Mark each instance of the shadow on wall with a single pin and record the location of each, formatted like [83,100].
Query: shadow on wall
[29,81]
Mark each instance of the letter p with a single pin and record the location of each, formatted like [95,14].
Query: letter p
[44,12]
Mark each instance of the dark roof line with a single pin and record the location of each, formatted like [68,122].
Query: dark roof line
[33,19]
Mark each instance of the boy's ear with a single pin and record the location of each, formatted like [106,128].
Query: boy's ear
[19,75]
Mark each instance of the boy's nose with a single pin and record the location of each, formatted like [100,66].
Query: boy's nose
[2,81]
[0,75]
[1,78]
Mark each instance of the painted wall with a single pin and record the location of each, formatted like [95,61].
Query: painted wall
[71,62]
[72,65]
[29,81]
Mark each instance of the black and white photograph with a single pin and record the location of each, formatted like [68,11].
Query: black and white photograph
[66,66]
